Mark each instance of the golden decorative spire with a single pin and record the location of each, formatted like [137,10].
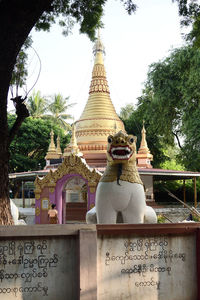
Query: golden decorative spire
[144,157]
[58,149]
[99,104]
[52,147]
[72,147]
[99,118]
[73,143]
[98,46]
[52,153]
[143,145]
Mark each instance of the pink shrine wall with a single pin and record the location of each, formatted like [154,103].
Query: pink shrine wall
[57,197]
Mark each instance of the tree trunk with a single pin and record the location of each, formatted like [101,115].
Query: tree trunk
[5,213]
[17,18]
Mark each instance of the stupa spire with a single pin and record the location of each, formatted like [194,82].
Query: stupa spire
[143,145]
[98,50]
[99,118]
[52,153]
[72,147]
[58,149]
[52,146]
[144,157]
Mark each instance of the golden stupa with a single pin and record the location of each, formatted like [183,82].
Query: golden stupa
[72,147]
[144,156]
[53,152]
[99,118]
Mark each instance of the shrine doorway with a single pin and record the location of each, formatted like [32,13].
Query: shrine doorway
[75,199]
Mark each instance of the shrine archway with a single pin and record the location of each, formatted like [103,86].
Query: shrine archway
[52,188]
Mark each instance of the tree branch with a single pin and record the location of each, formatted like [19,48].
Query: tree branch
[178,140]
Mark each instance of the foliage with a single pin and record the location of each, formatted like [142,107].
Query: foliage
[28,149]
[67,13]
[161,219]
[133,125]
[189,10]
[171,103]
[37,105]
[176,187]
[86,13]
[195,218]
[190,154]
[20,72]
[126,111]
[171,161]
[58,111]
[53,108]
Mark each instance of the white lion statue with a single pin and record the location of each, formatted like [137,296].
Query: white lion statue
[120,193]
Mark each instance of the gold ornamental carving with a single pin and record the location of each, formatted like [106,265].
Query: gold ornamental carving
[37,195]
[71,165]
[93,125]
[92,187]
[129,173]
[93,147]
[37,190]
[103,132]
[51,190]
[37,211]
[52,183]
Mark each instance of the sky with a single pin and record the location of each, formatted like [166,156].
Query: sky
[131,43]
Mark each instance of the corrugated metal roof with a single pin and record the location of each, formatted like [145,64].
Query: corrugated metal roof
[158,174]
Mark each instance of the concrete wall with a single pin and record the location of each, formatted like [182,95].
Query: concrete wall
[155,262]
[47,262]
[104,262]
[148,268]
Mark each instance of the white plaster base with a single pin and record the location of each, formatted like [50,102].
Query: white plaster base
[127,198]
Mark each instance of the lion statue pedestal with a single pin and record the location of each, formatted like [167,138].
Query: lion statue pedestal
[120,193]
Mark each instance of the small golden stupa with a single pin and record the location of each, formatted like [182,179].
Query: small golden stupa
[53,152]
[144,157]
[72,148]
[58,149]
[99,118]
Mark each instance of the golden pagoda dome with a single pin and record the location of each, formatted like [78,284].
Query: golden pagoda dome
[99,118]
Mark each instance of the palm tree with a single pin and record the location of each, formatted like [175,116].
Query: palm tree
[58,109]
[37,105]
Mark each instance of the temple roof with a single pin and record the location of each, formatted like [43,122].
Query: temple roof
[158,174]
